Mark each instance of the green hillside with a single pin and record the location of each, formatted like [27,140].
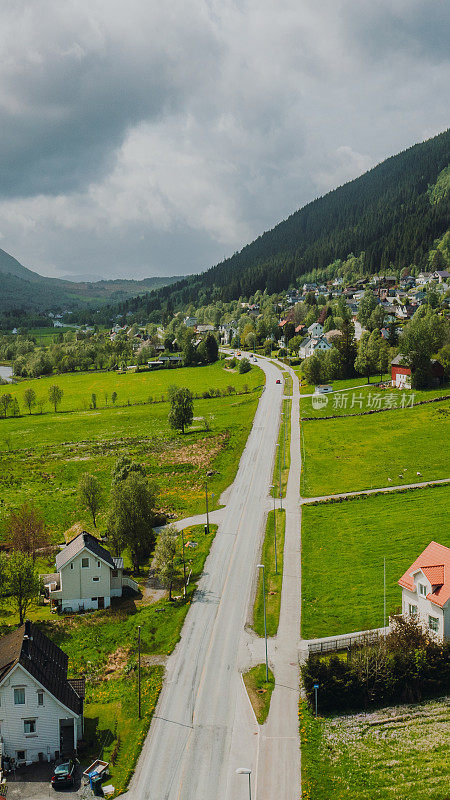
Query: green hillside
[24,290]
[393,213]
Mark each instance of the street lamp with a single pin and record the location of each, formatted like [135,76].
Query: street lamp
[246,771]
[261,566]
[274,529]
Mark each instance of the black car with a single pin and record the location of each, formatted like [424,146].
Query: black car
[64,773]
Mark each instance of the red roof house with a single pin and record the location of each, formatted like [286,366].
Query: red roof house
[426,589]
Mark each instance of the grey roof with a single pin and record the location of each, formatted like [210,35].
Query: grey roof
[42,659]
[83,540]
[399,360]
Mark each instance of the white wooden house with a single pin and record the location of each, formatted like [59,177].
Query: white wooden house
[426,590]
[313,344]
[86,576]
[41,711]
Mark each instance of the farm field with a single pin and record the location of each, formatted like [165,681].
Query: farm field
[131,387]
[347,541]
[344,455]
[43,456]
[367,398]
[388,754]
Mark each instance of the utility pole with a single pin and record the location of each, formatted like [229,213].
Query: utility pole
[139,669]
[261,566]
[184,565]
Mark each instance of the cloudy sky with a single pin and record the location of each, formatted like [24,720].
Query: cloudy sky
[155,137]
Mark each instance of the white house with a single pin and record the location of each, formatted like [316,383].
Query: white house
[41,711]
[315,330]
[426,590]
[313,345]
[423,278]
[190,322]
[86,576]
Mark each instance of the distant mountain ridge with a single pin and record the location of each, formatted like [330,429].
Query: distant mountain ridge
[25,290]
[389,213]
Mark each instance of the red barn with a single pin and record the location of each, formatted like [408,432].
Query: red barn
[401,374]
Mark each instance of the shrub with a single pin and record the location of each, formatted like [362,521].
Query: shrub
[244,366]
[406,666]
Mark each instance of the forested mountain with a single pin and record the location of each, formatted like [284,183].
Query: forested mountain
[389,212]
[24,290]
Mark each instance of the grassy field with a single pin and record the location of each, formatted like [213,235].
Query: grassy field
[343,455]
[43,456]
[346,542]
[338,385]
[283,453]
[102,646]
[259,691]
[273,581]
[389,754]
[132,387]
[366,398]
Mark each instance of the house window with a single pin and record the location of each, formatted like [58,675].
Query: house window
[71,565]
[96,578]
[29,726]
[114,573]
[19,697]
[422,589]
[21,755]
[85,562]
[93,599]
[433,624]
[40,696]
[98,563]
[412,610]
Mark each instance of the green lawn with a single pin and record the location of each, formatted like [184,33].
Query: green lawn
[132,387]
[343,546]
[388,754]
[50,452]
[364,399]
[259,691]
[283,453]
[338,385]
[273,580]
[343,455]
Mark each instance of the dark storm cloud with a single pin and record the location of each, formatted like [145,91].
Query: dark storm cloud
[156,138]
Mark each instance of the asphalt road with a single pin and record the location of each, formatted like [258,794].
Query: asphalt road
[204,727]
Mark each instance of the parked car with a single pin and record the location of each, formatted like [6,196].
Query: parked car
[64,773]
[277,380]
[324,389]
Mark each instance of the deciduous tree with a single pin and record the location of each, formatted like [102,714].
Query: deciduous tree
[182,409]
[55,395]
[22,581]
[91,495]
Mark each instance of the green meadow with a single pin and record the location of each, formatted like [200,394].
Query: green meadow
[42,456]
[388,754]
[131,387]
[346,542]
[345,455]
